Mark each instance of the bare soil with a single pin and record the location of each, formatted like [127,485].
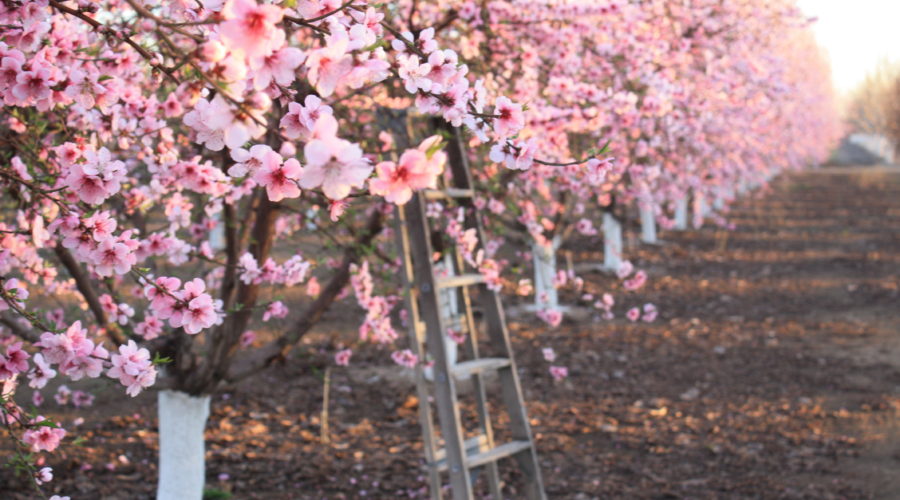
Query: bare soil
[773,372]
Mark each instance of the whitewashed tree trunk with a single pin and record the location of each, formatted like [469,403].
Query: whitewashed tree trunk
[681,213]
[719,202]
[217,235]
[182,467]
[544,258]
[612,242]
[648,223]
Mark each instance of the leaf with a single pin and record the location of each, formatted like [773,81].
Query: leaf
[161,360]
[437,146]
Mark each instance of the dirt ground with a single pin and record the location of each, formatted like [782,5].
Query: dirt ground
[772,372]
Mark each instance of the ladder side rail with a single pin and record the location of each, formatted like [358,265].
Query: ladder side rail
[444,385]
[495,322]
[478,386]
[416,341]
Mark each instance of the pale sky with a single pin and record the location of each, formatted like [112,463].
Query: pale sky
[857,34]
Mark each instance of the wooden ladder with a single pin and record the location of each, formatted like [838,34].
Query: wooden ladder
[463,458]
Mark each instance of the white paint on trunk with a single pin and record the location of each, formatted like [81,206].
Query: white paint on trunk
[612,242]
[544,258]
[719,202]
[681,213]
[648,223]
[217,235]
[182,468]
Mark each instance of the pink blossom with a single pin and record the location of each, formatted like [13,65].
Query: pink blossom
[625,268]
[172,106]
[334,164]
[299,121]
[276,309]
[251,28]
[414,73]
[81,399]
[199,119]
[33,85]
[43,437]
[327,65]
[40,373]
[313,288]
[200,314]
[280,67]
[510,118]
[161,295]
[150,328]
[97,179]
[549,354]
[559,372]
[425,42]
[249,161]
[415,170]
[14,362]
[637,281]
[45,475]
[633,314]
[552,317]
[405,358]
[279,179]
[112,257]
[63,395]
[650,313]
[518,156]
[586,227]
[247,338]
[132,366]
[16,293]
[342,357]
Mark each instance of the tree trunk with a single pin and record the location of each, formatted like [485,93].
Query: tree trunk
[182,470]
[648,223]
[544,258]
[681,213]
[612,242]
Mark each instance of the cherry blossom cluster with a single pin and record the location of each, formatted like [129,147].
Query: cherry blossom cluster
[190,307]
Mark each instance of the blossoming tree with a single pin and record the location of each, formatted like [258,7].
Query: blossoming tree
[171,168]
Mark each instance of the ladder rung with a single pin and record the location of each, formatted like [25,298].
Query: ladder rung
[466,369]
[460,280]
[449,193]
[476,455]
[473,446]
[504,450]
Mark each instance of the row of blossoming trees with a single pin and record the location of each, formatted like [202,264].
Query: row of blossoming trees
[172,169]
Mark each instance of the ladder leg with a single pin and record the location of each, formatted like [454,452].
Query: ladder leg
[495,322]
[512,395]
[444,385]
[484,418]
[426,419]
